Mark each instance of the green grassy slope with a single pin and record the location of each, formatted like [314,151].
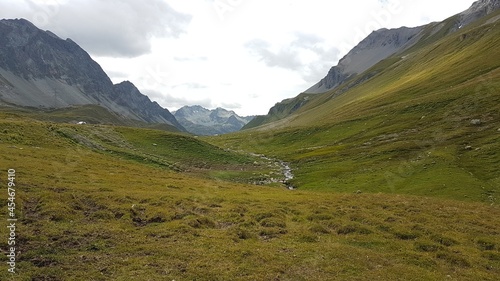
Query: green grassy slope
[172,151]
[280,110]
[406,130]
[88,210]
[91,114]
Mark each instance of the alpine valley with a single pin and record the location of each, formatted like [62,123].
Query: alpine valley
[386,169]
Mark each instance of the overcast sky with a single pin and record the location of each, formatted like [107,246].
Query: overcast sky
[243,55]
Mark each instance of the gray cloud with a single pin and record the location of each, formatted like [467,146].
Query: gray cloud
[113,28]
[289,56]
[190,59]
[117,75]
[167,100]
[285,58]
[176,102]
[231,106]
[190,85]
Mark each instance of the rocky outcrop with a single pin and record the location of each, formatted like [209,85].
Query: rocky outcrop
[478,10]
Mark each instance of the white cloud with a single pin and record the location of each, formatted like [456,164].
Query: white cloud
[306,53]
[116,28]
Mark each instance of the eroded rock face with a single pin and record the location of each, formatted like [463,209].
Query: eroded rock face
[479,9]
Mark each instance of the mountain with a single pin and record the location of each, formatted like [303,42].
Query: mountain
[39,69]
[384,43]
[380,45]
[424,121]
[201,121]
[478,10]
[377,46]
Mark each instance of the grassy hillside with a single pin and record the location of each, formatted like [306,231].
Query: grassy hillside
[280,110]
[397,178]
[426,124]
[90,208]
[91,114]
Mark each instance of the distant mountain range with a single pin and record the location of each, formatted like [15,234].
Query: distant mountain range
[358,65]
[201,121]
[39,69]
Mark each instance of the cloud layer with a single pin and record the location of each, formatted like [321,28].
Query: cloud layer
[113,28]
[305,53]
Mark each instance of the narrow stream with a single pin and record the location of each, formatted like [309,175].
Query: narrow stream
[285,171]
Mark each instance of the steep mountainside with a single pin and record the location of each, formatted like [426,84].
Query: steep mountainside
[39,69]
[425,122]
[201,121]
[127,95]
[384,43]
[380,45]
[377,46]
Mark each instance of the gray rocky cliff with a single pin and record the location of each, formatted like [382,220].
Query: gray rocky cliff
[39,69]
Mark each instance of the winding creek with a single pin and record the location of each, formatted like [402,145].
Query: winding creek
[285,171]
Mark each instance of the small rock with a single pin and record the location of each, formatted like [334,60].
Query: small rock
[498,130]
[475,122]
[468,147]
[359,192]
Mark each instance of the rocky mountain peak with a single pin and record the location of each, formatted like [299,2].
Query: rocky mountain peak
[201,121]
[379,45]
[39,69]
[187,111]
[478,9]
[486,6]
[222,113]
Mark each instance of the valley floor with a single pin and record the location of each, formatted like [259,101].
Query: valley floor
[88,214]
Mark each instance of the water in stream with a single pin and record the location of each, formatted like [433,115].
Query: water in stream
[285,171]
